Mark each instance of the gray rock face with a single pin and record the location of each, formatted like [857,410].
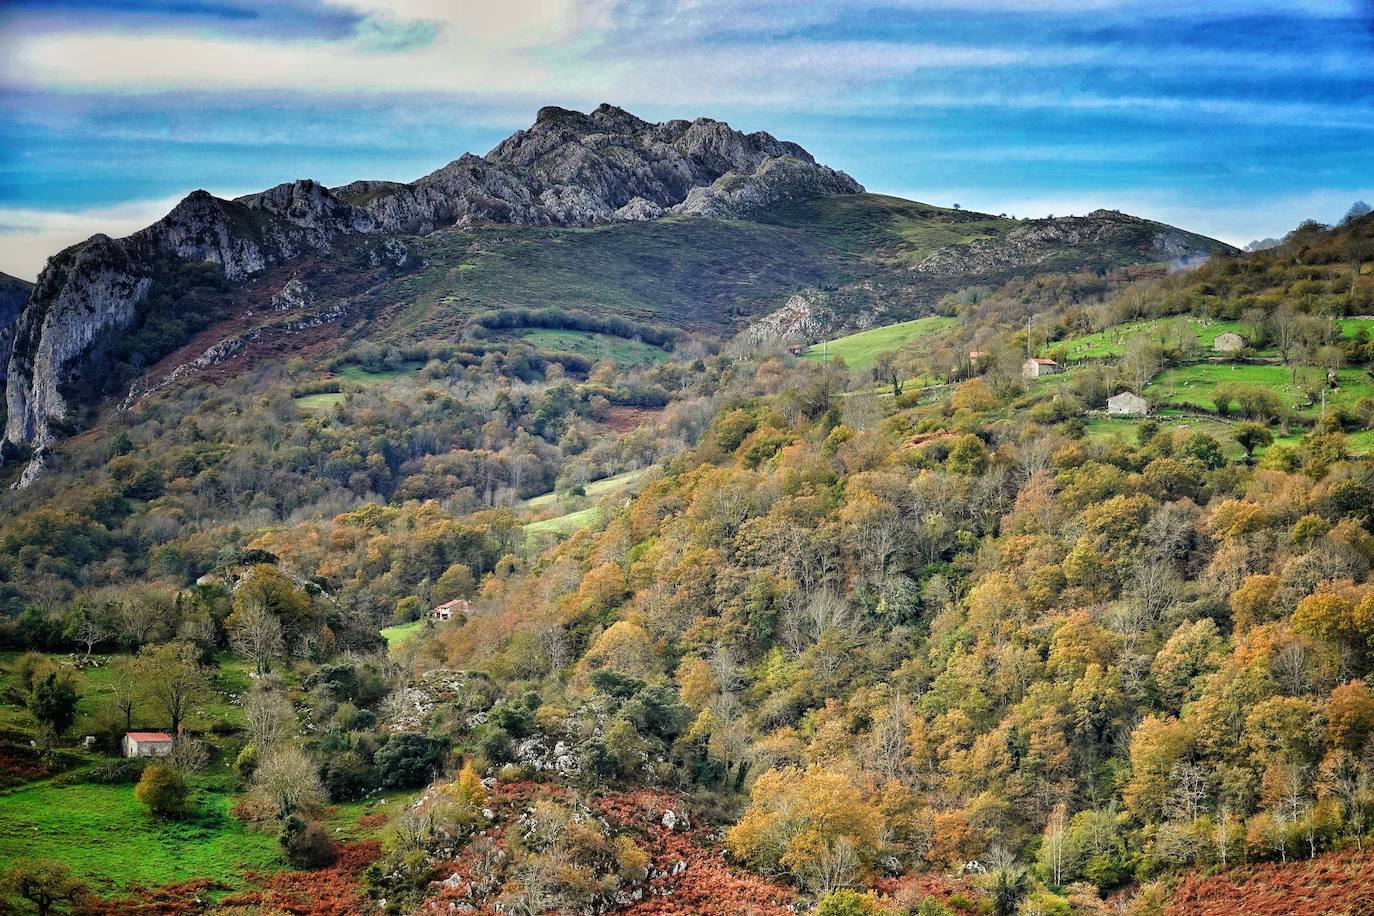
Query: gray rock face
[1039,241]
[575,169]
[14,292]
[568,169]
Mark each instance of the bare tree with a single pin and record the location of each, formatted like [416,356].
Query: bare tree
[1140,362]
[256,634]
[91,626]
[270,716]
[289,779]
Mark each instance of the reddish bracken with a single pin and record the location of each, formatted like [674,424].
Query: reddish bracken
[168,900]
[1341,883]
[908,890]
[332,891]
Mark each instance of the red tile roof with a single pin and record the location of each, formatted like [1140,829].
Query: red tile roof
[150,736]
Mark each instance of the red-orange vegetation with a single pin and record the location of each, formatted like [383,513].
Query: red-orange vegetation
[1332,883]
[332,891]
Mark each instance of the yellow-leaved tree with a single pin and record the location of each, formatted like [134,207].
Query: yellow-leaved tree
[813,823]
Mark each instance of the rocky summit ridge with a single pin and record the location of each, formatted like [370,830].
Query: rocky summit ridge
[567,169]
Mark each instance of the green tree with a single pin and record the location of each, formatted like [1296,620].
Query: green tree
[53,706]
[1251,436]
[172,678]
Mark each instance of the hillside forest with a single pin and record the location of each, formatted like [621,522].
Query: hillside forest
[881,626]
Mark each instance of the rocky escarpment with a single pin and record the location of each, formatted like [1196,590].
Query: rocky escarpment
[95,289]
[14,292]
[568,169]
[1065,241]
[575,169]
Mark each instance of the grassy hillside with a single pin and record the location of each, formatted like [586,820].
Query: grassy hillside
[859,350]
[596,347]
[107,837]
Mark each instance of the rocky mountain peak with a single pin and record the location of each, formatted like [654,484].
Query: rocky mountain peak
[567,169]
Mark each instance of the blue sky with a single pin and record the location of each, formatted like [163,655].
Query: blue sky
[1236,119]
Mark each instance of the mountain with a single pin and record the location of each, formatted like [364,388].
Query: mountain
[684,223]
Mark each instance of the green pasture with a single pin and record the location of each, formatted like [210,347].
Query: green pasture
[594,346]
[1193,386]
[860,350]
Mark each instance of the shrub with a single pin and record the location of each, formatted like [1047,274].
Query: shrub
[164,791]
[848,903]
[347,777]
[305,843]
[246,763]
[409,761]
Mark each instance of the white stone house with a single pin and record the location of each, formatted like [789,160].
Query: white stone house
[146,744]
[1037,366]
[449,609]
[1228,342]
[1127,404]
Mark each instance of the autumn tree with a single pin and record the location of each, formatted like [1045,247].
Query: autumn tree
[814,824]
[163,791]
[265,589]
[44,884]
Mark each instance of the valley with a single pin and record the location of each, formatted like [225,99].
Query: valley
[644,518]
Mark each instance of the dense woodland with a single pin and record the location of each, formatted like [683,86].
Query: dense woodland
[923,619]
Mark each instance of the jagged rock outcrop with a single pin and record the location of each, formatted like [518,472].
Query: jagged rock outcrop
[569,168]
[14,292]
[1039,241]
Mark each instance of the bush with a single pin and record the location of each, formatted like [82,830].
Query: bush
[164,791]
[116,772]
[246,763]
[409,761]
[348,777]
[305,843]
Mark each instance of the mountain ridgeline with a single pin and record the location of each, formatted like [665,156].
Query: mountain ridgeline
[693,224]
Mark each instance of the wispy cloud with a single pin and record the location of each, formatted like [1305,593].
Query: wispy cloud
[1142,100]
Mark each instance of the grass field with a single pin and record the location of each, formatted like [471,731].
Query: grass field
[109,839]
[361,376]
[1113,340]
[94,687]
[594,489]
[320,403]
[1193,386]
[596,346]
[564,524]
[398,634]
[859,350]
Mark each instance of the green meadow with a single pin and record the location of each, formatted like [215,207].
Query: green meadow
[860,350]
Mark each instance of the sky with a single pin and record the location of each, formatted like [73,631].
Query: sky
[1234,118]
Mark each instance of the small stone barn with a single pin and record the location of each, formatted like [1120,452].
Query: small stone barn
[1229,342]
[146,744]
[1127,404]
[1037,366]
